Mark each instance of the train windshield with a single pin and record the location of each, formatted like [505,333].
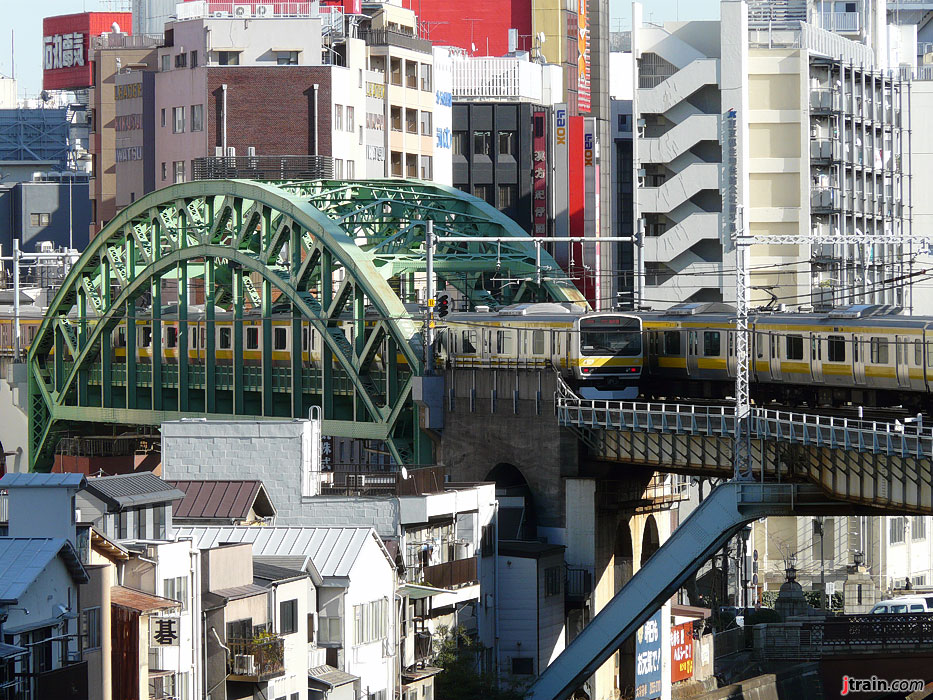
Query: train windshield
[610,335]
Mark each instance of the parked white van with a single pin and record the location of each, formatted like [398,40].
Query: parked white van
[903,605]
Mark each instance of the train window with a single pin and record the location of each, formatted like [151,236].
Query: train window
[760,345]
[774,346]
[836,348]
[503,342]
[279,338]
[537,342]
[469,342]
[855,344]
[304,339]
[918,353]
[929,356]
[224,337]
[193,338]
[711,343]
[145,337]
[203,337]
[120,339]
[879,351]
[252,338]
[671,342]
[816,347]
[171,337]
[794,347]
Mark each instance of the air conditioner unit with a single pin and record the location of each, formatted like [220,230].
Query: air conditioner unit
[263,10]
[231,152]
[244,665]
[241,11]
[220,13]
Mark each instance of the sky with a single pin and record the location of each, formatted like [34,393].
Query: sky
[24,28]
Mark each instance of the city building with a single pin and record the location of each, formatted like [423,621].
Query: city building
[134,506]
[52,211]
[817,146]
[134,118]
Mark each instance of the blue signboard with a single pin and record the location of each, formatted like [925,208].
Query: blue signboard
[648,659]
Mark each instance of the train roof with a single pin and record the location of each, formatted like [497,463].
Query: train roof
[863,315]
[540,312]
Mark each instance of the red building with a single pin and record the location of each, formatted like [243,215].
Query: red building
[66,46]
[483,23]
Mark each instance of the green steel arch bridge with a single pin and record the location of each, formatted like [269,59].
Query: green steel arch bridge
[323,255]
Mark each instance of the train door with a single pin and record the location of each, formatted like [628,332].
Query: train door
[902,358]
[858,360]
[730,353]
[774,343]
[816,357]
[693,345]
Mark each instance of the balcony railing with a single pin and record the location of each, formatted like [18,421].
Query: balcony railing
[263,167]
[255,660]
[370,480]
[451,574]
[387,37]
[839,21]
[422,646]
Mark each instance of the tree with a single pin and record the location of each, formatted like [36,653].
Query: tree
[458,655]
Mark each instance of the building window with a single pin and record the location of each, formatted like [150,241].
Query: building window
[879,351]
[523,666]
[330,630]
[395,117]
[228,58]
[426,82]
[179,170]
[411,74]
[370,621]
[139,515]
[92,628]
[351,170]
[166,63]
[481,191]
[178,120]
[918,527]
[396,164]
[552,581]
[39,219]
[288,616]
[482,142]
[176,589]
[506,196]
[338,117]
[351,119]
[197,117]
[794,347]
[181,60]
[194,59]
[395,71]
[123,525]
[411,165]
[164,172]
[426,129]
[427,167]
[506,143]
[286,58]
[458,142]
[624,124]
[158,522]
[897,527]
[338,168]
[411,121]
[163,123]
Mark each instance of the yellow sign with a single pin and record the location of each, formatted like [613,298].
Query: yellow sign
[128,92]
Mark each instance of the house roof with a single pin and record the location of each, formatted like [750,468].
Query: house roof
[138,488]
[236,592]
[108,547]
[22,560]
[263,571]
[333,550]
[33,480]
[221,499]
[331,676]
[140,600]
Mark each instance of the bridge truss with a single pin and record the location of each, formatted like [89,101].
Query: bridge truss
[336,258]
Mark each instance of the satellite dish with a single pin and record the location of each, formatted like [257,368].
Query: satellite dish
[404,474]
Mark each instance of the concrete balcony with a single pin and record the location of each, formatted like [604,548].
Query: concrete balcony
[680,188]
[678,87]
[680,139]
[824,150]
[701,226]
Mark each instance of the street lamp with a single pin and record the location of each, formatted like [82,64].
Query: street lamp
[790,568]
[858,558]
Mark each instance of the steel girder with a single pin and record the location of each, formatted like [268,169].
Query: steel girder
[328,255]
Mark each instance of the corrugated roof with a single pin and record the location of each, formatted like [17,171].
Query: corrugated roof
[135,489]
[33,480]
[333,550]
[270,572]
[140,600]
[237,592]
[331,676]
[220,499]
[22,559]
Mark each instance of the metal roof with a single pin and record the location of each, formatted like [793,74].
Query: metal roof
[333,550]
[331,676]
[33,480]
[221,499]
[236,592]
[264,571]
[23,559]
[139,488]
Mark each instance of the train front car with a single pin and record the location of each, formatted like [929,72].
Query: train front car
[609,355]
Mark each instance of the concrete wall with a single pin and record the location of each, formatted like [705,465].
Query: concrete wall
[296,643]
[96,594]
[66,205]
[227,567]
[57,506]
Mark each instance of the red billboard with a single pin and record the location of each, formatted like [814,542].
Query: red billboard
[66,45]
[682,652]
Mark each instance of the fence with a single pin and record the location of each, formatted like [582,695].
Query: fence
[451,573]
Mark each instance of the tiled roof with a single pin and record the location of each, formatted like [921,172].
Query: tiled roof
[333,550]
[138,488]
[22,560]
[33,480]
[140,600]
[221,499]
[331,676]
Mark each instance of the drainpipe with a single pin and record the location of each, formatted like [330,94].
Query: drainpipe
[224,88]
[315,88]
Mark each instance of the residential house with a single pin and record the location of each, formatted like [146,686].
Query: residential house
[135,506]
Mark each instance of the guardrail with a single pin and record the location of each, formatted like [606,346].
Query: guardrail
[808,429]
[843,635]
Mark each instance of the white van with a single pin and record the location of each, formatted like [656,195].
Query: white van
[904,605]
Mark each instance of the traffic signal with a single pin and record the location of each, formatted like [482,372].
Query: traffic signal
[443,305]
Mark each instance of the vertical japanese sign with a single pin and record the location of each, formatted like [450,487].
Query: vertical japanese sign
[591,285]
[559,181]
[681,652]
[583,58]
[576,202]
[539,175]
[648,659]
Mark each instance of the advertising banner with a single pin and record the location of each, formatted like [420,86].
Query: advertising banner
[559,181]
[539,175]
[443,116]
[648,659]
[583,58]
[66,44]
[682,652]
